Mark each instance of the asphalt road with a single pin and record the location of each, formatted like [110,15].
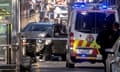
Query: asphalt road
[58,66]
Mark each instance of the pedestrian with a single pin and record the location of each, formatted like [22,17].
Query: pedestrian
[106,38]
[31,9]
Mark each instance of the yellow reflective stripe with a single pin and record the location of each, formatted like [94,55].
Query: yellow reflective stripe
[92,45]
[75,45]
[97,45]
[84,43]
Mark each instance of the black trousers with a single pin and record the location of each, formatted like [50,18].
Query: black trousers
[104,57]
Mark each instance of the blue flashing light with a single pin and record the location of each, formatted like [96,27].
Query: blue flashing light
[104,6]
[83,55]
[82,6]
[78,5]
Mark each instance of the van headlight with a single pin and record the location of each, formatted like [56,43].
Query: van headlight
[47,42]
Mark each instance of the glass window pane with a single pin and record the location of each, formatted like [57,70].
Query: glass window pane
[93,22]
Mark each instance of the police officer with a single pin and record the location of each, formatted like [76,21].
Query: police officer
[106,38]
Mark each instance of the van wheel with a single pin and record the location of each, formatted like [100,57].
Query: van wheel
[69,65]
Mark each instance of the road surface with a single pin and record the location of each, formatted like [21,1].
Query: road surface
[59,66]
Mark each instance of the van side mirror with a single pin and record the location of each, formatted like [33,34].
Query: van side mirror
[109,51]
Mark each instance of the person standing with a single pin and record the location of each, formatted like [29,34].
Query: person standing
[106,39]
[31,9]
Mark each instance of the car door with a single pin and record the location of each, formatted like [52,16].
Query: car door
[59,44]
[118,61]
[116,64]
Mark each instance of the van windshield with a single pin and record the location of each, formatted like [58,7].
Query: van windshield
[93,22]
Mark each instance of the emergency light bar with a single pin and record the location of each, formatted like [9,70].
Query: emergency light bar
[103,6]
[78,5]
[109,2]
[88,6]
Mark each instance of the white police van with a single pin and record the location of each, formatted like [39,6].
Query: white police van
[86,20]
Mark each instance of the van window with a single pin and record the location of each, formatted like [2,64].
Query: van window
[92,22]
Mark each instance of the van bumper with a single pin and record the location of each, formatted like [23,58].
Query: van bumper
[89,58]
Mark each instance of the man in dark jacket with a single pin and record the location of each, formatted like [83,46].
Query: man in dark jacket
[106,39]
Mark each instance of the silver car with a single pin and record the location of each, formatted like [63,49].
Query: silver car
[113,60]
[35,32]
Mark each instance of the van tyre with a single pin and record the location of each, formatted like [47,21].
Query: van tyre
[69,65]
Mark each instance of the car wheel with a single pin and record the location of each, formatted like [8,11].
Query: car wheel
[70,65]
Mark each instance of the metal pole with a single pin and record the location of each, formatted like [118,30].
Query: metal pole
[69,2]
[16,50]
[19,55]
[14,22]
